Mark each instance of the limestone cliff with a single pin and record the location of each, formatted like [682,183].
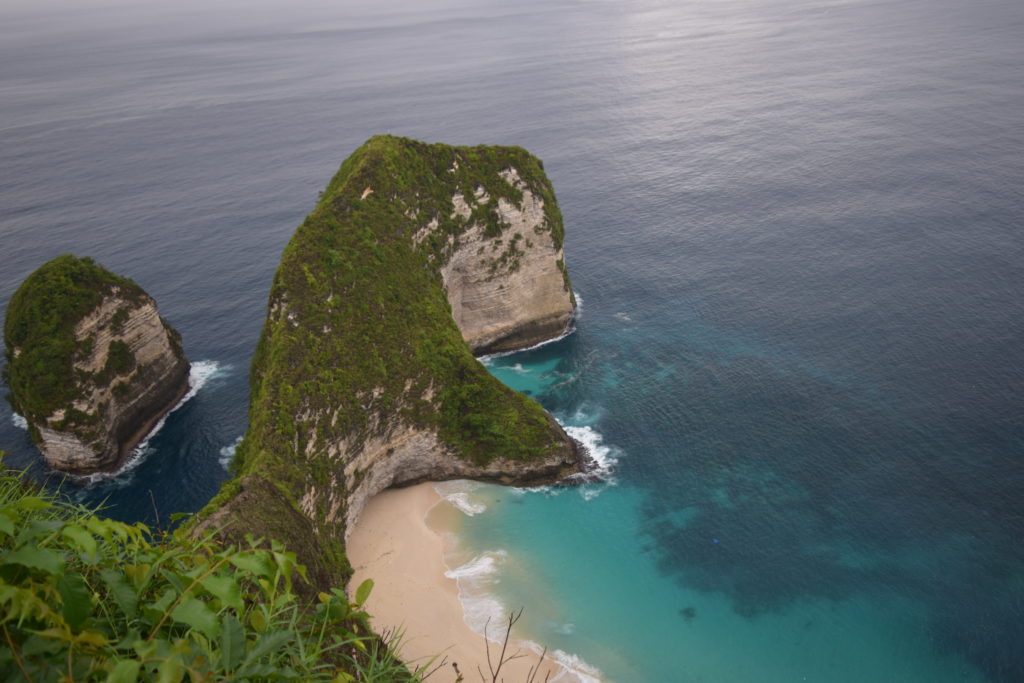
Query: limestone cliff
[90,364]
[363,378]
[508,292]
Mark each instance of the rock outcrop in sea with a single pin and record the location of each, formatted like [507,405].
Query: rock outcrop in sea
[91,365]
[364,377]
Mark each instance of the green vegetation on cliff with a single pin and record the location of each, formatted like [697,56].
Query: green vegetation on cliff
[359,324]
[39,337]
[360,341]
[89,599]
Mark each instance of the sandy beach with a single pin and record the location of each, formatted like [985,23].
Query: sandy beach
[393,544]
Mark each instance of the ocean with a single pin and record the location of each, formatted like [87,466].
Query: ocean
[796,231]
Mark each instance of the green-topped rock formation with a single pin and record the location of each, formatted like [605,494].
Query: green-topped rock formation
[91,365]
[364,377]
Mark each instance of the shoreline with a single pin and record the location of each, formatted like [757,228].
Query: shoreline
[393,544]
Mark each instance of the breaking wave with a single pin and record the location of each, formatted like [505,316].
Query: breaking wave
[604,456]
[479,607]
[484,613]
[479,567]
[457,493]
[573,667]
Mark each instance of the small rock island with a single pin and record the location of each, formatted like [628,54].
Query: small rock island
[91,365]
[416,256]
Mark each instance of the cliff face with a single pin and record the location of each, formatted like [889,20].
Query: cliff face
[508,292]
[410,456]
[91,364]
[363,378]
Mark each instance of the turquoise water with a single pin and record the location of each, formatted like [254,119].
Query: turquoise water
[591,587]
[796,226]
[581,564]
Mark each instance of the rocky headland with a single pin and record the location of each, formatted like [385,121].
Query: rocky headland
[364,378]
[91,365]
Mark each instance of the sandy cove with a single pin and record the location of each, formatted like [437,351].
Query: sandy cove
[393,545]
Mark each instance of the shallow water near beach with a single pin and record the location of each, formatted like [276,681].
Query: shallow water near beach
[584,564]
[796,231]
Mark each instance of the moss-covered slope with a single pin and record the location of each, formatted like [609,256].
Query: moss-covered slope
[362,379]
[90,363]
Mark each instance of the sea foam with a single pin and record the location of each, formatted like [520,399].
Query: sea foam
[480,608]
[592,482]
[575,669]
[458,493]
[19,421]
[604,456]
[586,415]
[199,375]
[603,460]
[480,567]
[485,613]
[227,453]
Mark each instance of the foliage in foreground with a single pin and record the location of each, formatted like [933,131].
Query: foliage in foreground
[89,599]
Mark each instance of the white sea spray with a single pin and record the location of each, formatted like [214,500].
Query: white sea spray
[485,613]
[572,668]
[474,578]
[465,505]
[585,415]
[602,454]
[604,458]
[481,608]
[480,567]
[19,421]
[200,374]
[458,493]
[575,669]
[227,453]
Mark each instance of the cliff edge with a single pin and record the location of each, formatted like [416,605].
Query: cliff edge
[364,377]
[91,365]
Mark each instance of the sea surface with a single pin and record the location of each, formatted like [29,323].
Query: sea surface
[796,229]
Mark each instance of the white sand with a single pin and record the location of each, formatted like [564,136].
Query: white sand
[393,545]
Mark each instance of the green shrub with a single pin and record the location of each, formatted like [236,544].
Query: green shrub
[118,320]
[120,361]
[90,599]
[39,331]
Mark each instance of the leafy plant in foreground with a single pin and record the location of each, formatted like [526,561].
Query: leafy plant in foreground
[89,599]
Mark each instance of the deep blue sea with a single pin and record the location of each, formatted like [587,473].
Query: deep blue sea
[797,229]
